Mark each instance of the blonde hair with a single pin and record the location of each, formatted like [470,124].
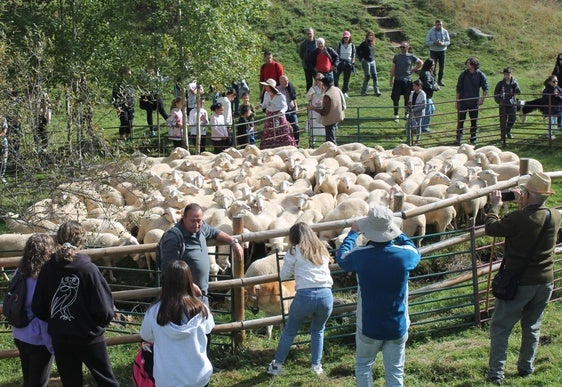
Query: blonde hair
[310,246]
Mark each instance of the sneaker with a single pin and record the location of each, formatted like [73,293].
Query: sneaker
[552,137]
[440,83]
[377,93]
[345,95]
[317,369]
[3,180]
[406,116]
[397,118]
[509,135]
[274,368]
[426,130]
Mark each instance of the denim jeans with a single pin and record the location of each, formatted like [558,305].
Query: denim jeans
[429,110]
[528,307]
[393,357]
[316,303]
[369,70]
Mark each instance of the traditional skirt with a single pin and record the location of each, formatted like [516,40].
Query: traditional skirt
[276,132]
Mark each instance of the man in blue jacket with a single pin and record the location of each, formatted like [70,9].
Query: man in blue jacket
[382,266]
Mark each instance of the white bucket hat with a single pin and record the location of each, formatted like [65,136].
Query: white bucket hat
[380,225]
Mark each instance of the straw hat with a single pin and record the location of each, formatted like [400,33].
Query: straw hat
[271,83]
[537,182]
[379,225]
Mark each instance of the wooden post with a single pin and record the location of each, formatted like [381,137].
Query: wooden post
[238,307]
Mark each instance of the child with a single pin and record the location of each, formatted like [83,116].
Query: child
[204,121]
[416,105]
[175,122]
[246,101]
[219,131]
[244,127]
[178,324]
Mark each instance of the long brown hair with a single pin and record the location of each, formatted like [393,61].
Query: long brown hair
[178,296]
[310,246]
[37,251]
[71,237]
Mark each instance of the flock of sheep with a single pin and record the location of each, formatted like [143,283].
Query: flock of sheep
[136,201]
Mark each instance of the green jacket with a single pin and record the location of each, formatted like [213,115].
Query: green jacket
[521,229]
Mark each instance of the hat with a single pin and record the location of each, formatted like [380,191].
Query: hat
[346,34]
[379,225]
[537,182]
[271,83]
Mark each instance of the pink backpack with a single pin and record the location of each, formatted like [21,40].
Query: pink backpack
[143,365]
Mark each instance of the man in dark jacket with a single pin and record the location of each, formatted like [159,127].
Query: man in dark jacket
[306,47]
[290,92]
[528,250]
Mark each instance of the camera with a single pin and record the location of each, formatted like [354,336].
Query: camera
[508,196]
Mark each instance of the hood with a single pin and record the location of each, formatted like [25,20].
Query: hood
[187,328]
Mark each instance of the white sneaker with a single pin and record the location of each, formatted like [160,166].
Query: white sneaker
[317,369]
[345,95]
[3,180]
[274,368]
[397,118]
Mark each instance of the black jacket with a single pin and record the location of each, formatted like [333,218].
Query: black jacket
[75,300]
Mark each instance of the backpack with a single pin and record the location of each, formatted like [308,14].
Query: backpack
[159,252]
[143,366]
[14,301]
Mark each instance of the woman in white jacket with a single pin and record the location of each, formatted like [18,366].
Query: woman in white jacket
[308,262]
[178,324]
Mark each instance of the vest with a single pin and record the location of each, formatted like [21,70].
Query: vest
[336,113]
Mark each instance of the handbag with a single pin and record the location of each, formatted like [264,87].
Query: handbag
[506,281]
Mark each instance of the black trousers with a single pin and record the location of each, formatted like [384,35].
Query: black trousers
[70,356]
[36,362]
[126,122]
[400,88]
[439,58]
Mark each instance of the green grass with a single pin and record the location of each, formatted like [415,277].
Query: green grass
[456,359]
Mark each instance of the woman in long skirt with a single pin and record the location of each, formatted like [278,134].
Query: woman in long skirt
[277,130]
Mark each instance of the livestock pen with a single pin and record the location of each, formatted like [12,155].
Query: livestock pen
[450,289]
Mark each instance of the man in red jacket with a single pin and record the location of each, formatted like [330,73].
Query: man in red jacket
[270,70]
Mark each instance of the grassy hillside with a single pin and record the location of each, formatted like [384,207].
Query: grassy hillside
[526,33]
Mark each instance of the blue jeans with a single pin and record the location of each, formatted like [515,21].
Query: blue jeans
[369,70]
[393,357]
[429,110]
[528,307]
[316,303]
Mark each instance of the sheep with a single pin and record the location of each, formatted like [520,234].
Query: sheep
[104,226]
[13,244]
[351,208]
[23,226]
[267,297]
[323,202]
[163,222]
[103,239]
[440,219]
[326,183]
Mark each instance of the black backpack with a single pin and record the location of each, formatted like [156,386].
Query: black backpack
[14,302]
[159,253]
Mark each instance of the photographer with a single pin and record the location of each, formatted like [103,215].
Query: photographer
[530,236]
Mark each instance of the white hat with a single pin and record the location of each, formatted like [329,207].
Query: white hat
[271,83]
[379,225]
[537,182]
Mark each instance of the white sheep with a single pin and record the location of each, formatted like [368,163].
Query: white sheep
[102,240]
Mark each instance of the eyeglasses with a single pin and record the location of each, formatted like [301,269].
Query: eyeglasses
[402,46]
[554,81]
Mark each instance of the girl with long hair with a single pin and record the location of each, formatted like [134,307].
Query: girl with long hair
[33,341]
[178,324]
[307,261]
[76,301]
